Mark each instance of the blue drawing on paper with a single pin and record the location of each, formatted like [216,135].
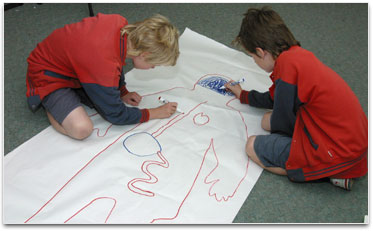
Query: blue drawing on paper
[142,144]
[215,83]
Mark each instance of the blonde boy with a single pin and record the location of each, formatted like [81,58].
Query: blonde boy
[83,63]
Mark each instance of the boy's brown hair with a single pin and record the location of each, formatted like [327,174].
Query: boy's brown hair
[265,29]
[156,36]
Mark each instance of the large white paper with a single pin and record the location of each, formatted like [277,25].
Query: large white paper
[190,168]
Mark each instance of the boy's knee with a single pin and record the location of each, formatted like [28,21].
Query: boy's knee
[82,130]
[250,146]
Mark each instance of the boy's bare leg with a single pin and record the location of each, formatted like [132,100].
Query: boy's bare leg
[77,124]
[266,121]
[251,153]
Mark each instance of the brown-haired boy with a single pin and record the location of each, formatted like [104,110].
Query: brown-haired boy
[318,127]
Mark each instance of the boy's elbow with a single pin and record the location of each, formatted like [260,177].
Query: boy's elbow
[123,116]
[122,120]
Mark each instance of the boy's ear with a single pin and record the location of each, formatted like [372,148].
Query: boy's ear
[260,52]
[144,54]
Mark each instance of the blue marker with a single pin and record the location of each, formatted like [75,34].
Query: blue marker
[235,83]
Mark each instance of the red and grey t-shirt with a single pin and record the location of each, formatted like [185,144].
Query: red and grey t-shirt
[89,54]
[312,104]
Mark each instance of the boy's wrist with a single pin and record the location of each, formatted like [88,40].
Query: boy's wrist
[238,93]
[123,91]
[153,113]
[145,115]
[244,97]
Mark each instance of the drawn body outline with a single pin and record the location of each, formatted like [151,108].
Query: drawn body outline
[164,162]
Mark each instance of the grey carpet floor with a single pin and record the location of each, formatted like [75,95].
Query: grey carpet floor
[337,34]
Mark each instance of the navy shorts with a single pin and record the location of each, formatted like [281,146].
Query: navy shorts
[273,149]
[61,102]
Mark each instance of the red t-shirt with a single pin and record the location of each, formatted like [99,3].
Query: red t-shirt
[88,54]
[315,106]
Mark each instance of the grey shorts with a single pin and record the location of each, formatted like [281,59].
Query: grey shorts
[273,149]
[61,102]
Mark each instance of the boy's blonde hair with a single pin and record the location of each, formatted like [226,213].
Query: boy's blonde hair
[156,36]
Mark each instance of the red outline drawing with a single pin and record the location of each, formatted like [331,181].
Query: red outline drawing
[152,179]
[191,188]
[90,203]
[165,164]
[88,163]
[98,130]
[202,116]
[207,182]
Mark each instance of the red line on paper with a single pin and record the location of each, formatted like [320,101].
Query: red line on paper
[98,130]
[152,179]
[191,188]
[99,198]
[243,119]
[166,124]
[85,166]
[184,115]
[201,123]
[96,113]
[212,182]
[191,89]
[217,180]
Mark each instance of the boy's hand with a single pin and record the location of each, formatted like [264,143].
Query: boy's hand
[236,89]
[163,111]
[132,98]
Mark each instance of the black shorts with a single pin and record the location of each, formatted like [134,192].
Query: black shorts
[63,101]
[273,149]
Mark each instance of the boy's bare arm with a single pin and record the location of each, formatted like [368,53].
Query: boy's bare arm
[163,111]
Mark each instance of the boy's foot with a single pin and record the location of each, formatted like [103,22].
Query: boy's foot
[343,183]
